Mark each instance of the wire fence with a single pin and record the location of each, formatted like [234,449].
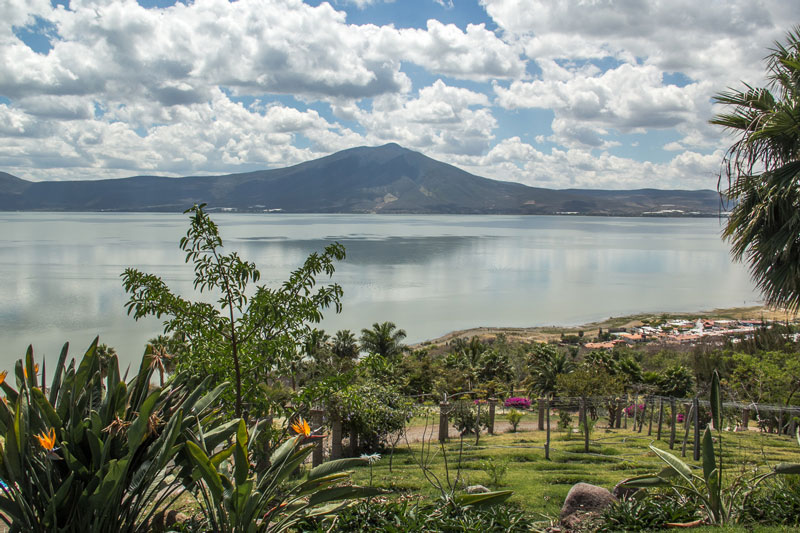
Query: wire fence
[675,421]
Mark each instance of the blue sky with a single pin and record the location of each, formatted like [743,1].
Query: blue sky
[600,94]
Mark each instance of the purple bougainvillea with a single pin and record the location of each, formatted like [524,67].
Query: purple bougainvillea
[518,402]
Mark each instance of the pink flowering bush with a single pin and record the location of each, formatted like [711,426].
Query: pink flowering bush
[518,402]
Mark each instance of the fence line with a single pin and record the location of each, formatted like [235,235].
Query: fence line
[636,409]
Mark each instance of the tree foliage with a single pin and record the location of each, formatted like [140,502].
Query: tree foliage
[245,335]
[762,173]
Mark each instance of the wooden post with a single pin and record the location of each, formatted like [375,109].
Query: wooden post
[644,414]
[541,414]
[478,424]
[547,442]
[688,425]
[780,422]
[585,425]
[353,443]
[628,403]
[619,414]
[660,417]
[696,429]
[316,422]
[688,421]
[492,403]
[443,421]
[745,418]
[652,412]
[336,437]
[674,411]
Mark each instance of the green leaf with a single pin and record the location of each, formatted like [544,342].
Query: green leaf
[59,374]
[137,432]
[716,402]
[53,420]
[332,467]
[241,459]
[207,470]
[343,493]
[787,468]
[483,499]
[676,464]
[646,482]
[709,459]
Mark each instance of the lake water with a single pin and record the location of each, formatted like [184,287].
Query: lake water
[60,272]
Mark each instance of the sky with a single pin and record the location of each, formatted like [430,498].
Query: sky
[609,94]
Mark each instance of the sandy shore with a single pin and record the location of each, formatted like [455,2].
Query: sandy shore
[547,333]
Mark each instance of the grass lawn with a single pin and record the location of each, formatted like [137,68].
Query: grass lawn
[540,486]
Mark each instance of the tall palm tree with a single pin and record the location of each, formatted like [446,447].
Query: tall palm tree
[762,171]
[383,339]
[345,346]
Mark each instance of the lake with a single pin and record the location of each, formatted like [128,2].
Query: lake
[60,272]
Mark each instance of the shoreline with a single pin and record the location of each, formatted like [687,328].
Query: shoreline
[547,333]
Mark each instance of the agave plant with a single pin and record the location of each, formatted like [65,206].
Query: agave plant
[94,453]
[721,505]
[242,502]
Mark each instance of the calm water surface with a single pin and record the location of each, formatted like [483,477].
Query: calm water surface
[60,272]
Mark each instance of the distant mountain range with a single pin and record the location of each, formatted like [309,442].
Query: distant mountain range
[384,179]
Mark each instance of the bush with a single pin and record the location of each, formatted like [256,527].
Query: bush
[464,417]
[93,451]
[635,514]
[774,503]
[374,411]
[420,517]
[514,418]
[518,402]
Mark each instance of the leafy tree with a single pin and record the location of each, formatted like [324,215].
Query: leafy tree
[466,358]
[383,339]
[239,336]
[762,170]
[345,346]
[546,364]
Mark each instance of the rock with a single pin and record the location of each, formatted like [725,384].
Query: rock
[585,498]
[477,489]
[621,492]
[166,521]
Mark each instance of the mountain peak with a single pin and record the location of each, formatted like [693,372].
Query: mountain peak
[366,179]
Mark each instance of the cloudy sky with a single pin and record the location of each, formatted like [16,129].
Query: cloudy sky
[552,93]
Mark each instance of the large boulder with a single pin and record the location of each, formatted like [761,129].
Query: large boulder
[584,498]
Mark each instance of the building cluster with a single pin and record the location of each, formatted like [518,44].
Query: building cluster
[680,332]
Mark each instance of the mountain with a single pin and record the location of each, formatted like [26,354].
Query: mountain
[384,179]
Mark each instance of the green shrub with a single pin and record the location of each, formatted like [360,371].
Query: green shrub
[776,502]
[420,517]
[233,499]
[464,417]
[495,469]
[640,514]
[514,417]
[93,453]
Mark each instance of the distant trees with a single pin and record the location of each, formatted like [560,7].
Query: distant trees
[383,339]
[762,172]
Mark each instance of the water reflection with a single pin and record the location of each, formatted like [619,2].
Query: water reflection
[59,273]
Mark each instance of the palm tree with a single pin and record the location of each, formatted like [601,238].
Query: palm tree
[762,170]
[546,363]
[345,346]
[383,339]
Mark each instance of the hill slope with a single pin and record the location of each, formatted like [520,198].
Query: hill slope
[384,179]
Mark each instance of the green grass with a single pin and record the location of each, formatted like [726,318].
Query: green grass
[540,486]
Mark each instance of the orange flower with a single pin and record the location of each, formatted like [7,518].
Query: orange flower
[3,375]
[25,370]
[301,427]
[47,440]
